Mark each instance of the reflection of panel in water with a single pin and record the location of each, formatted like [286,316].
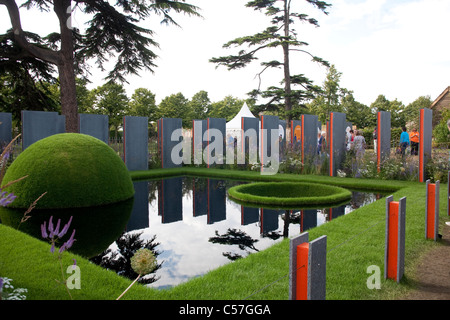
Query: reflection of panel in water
[170,200]
[269,220]
[139,215]
[249,215]
[200,197]
[308,219]
[336,212]
[216,201]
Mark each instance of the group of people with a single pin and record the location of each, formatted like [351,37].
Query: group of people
[409,140]
[355,142]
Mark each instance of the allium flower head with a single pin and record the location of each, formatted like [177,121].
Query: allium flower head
[143,261]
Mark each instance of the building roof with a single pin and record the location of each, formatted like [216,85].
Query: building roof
[443,99]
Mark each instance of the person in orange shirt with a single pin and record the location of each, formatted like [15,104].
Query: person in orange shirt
[414,138]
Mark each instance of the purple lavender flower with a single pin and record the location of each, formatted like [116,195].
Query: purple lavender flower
[6,199]
[54,234]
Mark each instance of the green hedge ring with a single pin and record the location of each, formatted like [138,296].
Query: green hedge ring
[76,170]
[289,194]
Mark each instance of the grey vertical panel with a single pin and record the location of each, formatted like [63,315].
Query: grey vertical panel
[268,123]
[401,238]
[200,197]
[216,201]
[37,125]
[293,244]
[167,127]
[220,125]
[135,142]
[337,143]
[309,219]
[250,126]
[425,142]
[310,124]
[5,128]
[317,269]
[384,136]
[296,132]
[170,199]
[198,130]
[139,215]
[386,239]
[95,125]
[249,215]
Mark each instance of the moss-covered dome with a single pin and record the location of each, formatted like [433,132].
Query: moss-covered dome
[76,170]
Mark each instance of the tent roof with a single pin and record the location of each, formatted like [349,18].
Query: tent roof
[235,123]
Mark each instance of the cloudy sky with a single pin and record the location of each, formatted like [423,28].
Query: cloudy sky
[397,48]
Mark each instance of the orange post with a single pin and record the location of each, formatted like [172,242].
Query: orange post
[431,211]
[378,141]
[302,271]
[392,256]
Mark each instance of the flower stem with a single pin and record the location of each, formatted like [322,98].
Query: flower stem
[129,287]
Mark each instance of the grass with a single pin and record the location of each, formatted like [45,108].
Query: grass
[289,193]
[354,242]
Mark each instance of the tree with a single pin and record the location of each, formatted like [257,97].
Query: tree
[142,104]
[412,109]
[357,113]
[329,97]
[175,106]
[110,99]
[200,104]
[279,35]
[395,107]
[112,31]
[227,108]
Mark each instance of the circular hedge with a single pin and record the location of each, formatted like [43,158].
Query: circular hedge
[76,170]
[289,193]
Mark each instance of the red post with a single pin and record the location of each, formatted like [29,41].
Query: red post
[302,271]
[392,257]
[430,232]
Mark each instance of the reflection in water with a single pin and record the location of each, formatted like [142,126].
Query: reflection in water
[200,229]
[119,260]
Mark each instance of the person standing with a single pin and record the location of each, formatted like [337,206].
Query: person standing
[404,141]
[359,144]
[375,138]
[414,138]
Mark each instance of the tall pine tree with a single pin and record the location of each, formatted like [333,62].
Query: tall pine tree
[280,34]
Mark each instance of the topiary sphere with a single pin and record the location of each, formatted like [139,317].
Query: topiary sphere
[76,170]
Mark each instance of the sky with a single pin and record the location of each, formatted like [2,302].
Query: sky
[396,48]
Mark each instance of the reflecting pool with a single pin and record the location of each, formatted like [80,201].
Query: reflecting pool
[196,227]
[199,229]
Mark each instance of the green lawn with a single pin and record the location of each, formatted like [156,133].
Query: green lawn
[354,242]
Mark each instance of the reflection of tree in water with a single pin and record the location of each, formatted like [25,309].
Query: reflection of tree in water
[235,237]
[120,261]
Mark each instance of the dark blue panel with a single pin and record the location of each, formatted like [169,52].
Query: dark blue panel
[95,125]
[135,142]
[5,128]
[37,125]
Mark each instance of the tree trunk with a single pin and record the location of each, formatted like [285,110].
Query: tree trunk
[69,106]
[287,74]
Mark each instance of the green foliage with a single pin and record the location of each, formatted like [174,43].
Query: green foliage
[75,170]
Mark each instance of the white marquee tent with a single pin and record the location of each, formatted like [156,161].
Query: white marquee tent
[235,123]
